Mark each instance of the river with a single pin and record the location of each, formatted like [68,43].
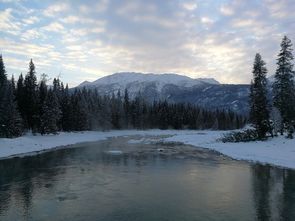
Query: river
[115,180]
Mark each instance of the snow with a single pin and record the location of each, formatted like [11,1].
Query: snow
[124,79]
[29,143]
[277,151]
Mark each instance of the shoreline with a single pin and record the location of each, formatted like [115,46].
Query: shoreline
[277,151]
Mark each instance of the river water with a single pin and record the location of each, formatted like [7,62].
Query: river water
[115,180]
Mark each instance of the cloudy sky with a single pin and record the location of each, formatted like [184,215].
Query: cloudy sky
[86,39]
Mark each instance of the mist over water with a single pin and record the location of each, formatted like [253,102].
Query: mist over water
[116,180]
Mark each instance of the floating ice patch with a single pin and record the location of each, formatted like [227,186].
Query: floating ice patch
[115,152]
[144,140]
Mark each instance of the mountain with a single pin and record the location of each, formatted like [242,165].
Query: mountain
[126,79]
[206,92]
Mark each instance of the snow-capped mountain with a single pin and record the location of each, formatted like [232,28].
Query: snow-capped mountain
[137,81]
[205,92]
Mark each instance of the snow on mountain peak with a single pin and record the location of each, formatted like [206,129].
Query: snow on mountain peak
[123,79]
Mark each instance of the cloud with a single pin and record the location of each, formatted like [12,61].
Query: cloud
[32,34]
[70,19]
[198,38]
[102,6]
[8,1]
[97,7]
[226,10]
[207,20]
[73,19]
[8,23]
[54,27]
[54,9]
[134,7]
[190,6]
[31,20]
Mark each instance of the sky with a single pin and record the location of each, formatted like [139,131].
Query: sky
[85,39]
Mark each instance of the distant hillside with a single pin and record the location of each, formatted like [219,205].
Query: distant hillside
[205,92]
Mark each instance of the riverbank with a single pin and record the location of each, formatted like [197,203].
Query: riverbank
[277,151]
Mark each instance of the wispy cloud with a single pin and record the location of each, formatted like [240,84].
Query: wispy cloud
[54,27]
[85,39]
[55,9]
[8,23]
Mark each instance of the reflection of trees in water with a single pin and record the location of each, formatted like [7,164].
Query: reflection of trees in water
[261,184]
[288,198]
[20,176]
[274,193]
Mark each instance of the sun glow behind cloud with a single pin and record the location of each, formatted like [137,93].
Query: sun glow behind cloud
[84,40]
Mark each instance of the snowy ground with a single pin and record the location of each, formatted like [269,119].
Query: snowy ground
[277,151]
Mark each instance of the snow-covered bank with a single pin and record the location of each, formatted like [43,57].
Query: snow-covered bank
[277,151]
[30,143]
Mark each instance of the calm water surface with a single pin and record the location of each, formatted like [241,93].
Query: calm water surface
[144,182]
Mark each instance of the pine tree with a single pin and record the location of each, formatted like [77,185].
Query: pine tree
[51,114]
[3,90]
[3,82]
[13,85]
[66,110]
[283,87]
[126,106]
[3,77]
[259,113]
[276,121]
[80,111]
[31,99]
[42,91]
[11,125]
[10,120]
[43,88]
[20,96]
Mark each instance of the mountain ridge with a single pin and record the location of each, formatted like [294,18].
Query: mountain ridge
[123,78]
[175,88]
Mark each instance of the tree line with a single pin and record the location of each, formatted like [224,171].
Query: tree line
[29,105]
[273,111]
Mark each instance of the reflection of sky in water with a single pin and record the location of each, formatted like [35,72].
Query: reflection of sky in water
[87,184]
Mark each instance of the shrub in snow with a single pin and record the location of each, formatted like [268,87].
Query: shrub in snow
[290,130]
[276,121]
[240,136]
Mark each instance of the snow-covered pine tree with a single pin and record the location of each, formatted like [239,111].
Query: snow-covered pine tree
[283,87]
[276,121]
[259,113]
[51,114]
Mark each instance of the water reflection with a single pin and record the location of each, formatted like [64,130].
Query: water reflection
[87,183]
[19,178]
[273,191]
